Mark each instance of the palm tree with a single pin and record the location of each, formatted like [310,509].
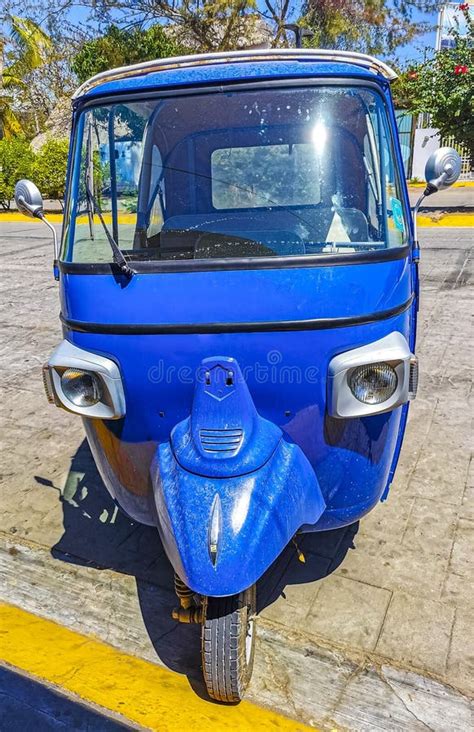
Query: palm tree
[9,124]
[31,48]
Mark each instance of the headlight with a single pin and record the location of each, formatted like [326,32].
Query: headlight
[371,379]
[373,383]
[84,382]
[82,388]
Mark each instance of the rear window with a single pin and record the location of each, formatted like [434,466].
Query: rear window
[267,175]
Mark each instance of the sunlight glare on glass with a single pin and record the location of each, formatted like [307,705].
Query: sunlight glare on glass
[319,137]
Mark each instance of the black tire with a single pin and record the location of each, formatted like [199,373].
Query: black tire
[228,644]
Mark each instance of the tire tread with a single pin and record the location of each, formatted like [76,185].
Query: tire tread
[224,664]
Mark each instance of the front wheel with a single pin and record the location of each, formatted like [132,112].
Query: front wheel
[228,644]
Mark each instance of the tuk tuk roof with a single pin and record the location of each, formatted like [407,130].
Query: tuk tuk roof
[251,65]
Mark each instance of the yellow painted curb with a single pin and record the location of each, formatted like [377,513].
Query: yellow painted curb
[141,692]
[446,219]
[459,184]
[461,220]
[13,217]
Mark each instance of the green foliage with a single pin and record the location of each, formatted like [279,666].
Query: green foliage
[213,25]
[9,123]
[16,162]
[373,26]
[120,47]
[49,169]
[443,86]
[100,172]
[32,45]
[27,50]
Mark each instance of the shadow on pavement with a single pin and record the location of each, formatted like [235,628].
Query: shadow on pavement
[29,705]
[97,534]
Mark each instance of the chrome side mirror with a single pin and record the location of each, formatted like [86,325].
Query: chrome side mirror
[28,199]
[29,202]
[442,169]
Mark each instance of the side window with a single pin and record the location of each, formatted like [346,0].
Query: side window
[397,229]
[372,169]
[108,181]
[157,199]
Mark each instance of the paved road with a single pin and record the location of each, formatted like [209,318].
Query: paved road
[27,705]
[458,199]
[348,644]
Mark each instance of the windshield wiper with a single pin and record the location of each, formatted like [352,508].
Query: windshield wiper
[117,254]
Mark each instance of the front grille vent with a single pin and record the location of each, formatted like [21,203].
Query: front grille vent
[48,384]
[413,382]
[224,442]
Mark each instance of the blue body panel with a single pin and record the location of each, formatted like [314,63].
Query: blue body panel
[233,72]
[236,296]
[285,371]
[286,375]
[259,515]
[228,480]
[224,436]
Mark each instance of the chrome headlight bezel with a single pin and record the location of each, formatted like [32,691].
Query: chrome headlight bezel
[392,350]
[68,356]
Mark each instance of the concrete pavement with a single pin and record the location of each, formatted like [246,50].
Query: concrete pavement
[376,637]
[460,198]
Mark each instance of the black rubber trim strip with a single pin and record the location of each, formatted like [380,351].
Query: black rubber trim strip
[251,327]
[223,86]
[241,263]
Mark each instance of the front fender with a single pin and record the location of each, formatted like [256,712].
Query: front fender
[221,534]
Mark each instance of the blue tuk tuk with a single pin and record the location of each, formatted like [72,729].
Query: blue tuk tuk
[239,292]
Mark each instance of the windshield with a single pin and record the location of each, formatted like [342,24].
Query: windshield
[267,173]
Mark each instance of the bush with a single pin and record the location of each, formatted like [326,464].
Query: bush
[443,87]
[119,47]
[16,162]
[49,169]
